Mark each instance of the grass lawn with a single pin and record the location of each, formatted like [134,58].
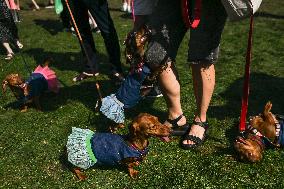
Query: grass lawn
[31,143]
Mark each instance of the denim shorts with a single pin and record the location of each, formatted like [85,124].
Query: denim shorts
[168,31]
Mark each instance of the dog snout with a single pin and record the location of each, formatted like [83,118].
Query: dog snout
[165,130]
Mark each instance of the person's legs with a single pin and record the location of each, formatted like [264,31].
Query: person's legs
[169,83]
[8,48]
[203,84]
[100,12]
[124,6]
[10,52]
[203,53]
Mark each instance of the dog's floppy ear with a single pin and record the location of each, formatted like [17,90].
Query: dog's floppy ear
[133,128]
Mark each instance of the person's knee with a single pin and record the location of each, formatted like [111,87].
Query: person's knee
[201,64]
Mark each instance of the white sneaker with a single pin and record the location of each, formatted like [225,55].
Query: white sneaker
[124,7]
[129,10]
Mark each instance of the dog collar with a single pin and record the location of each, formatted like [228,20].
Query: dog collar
[259,140]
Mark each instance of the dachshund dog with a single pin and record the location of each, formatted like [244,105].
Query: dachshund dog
[264,130]
[135,43]
[26,92]
[86,148]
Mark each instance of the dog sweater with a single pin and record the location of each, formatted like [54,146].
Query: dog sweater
[38,85]
[86,148]
[110,149]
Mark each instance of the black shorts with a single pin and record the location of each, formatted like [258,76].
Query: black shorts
[168,30]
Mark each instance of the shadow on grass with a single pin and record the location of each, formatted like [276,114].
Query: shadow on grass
[268,15]
[70,60]
[52,26]
[263,88]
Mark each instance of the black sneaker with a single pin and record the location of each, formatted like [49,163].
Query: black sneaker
[85,75]
[154,93]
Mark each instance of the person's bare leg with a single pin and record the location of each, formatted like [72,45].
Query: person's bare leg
[169,83]
[203,85]
[35,4]
[8,48]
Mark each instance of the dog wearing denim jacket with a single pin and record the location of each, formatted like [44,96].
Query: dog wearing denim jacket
[86,148]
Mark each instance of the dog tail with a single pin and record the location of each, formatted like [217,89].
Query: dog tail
[47,61]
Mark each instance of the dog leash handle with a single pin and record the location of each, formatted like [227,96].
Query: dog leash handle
[245,96]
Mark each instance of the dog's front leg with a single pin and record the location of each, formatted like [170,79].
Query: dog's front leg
[132,172]
[130,164]
[79,174]
[36,102]
[24,108]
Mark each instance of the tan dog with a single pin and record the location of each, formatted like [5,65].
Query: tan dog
[263,130]
[26,92]
[16,83]
[85,148]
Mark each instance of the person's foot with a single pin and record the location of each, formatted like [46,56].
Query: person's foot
[85,75]
[124,7]
[96,30]
[129,10]
[50,6]
[180,122]
[20,45]
[198,130]
[9,56]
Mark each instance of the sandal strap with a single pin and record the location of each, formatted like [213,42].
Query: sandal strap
[201,124]
[174,121]
[192,138]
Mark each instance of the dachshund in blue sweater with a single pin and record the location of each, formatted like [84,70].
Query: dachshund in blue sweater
[86,148]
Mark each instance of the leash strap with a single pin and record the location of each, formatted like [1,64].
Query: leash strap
[194,21]
[244,108]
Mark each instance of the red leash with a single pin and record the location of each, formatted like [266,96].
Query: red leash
[244,109]
[193,23]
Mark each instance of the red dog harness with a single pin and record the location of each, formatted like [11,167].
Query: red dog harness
[194,19]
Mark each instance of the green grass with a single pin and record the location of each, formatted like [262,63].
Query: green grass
[31,143]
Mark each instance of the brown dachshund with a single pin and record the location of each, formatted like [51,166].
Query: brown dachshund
[85,148]
[264,130]
[16,84]
[26,92]
[135,48]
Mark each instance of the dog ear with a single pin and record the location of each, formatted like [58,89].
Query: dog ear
[267,114]
[133,128]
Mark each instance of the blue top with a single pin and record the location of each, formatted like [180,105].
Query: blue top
[110,149]
[281,134]
[37,84]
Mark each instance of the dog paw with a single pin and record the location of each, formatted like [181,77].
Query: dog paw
[24,109]
[133,173]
